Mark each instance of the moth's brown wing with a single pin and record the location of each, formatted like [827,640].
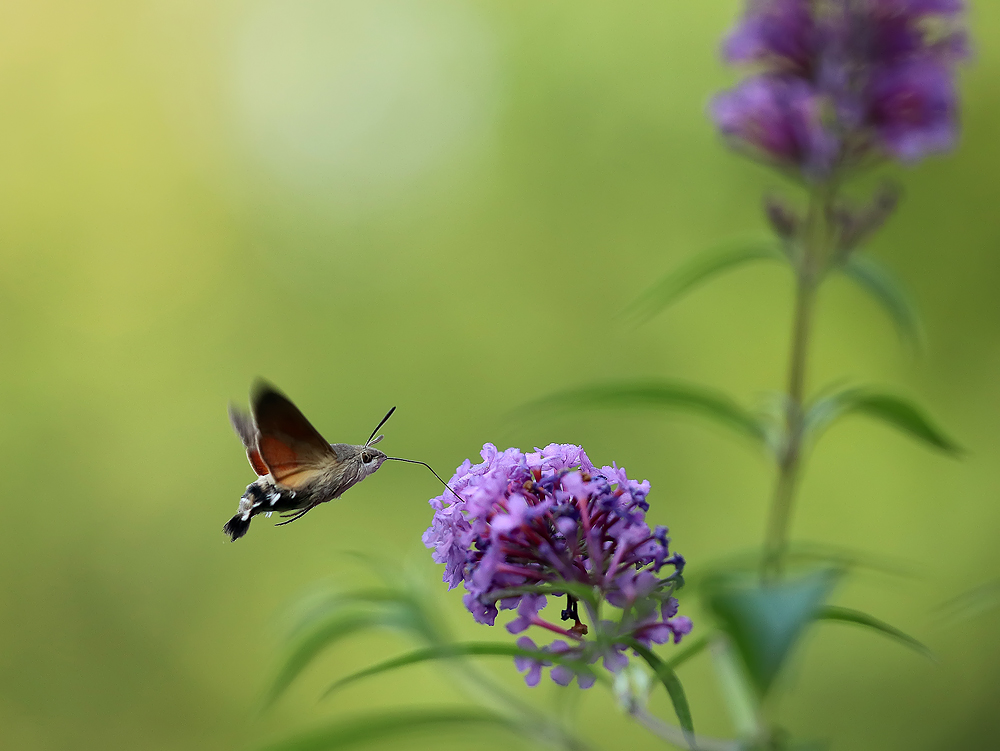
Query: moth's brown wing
[243,425]
[292,449]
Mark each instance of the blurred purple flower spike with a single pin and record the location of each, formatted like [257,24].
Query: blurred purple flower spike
[839,83]
[551,518]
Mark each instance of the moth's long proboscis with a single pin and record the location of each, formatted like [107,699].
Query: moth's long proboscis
[414,461]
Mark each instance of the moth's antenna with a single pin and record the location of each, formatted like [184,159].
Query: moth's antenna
[372,437]
[414,461]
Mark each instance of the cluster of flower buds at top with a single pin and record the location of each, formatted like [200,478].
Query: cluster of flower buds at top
[842,83]
[520,527]
[852,222]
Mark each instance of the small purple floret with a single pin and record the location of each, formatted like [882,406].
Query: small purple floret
[549,518]
[913,109]
[781,118]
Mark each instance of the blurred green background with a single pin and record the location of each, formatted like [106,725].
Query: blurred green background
[441,205]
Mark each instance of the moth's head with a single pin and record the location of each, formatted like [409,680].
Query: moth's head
[357,461]
[370,459]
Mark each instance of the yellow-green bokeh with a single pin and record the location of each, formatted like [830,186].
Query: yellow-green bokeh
[440,205]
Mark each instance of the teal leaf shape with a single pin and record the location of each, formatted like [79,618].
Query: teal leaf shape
[765,620]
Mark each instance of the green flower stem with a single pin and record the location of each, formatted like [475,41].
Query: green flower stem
[810,258]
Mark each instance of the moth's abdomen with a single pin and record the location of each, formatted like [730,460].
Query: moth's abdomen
[237,526]
[261,497]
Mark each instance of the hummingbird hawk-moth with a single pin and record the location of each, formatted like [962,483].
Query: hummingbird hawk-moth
[296,468]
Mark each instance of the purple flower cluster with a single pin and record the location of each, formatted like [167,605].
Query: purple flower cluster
[520,526]
[841,82]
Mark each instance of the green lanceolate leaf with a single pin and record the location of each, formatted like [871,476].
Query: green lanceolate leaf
[309,644]
[658,394]
[323,634]
[847,615]
[896,411]
[699,270]
[465,649]
[312,611]
[375,727]
[325,618]
[766,620]
[673,685]
[882,285]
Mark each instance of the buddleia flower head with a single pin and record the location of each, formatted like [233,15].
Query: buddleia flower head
[521,528]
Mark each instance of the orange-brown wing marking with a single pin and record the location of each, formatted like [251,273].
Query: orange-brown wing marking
[287,466]
[289,445]
[243,425]
[256,462]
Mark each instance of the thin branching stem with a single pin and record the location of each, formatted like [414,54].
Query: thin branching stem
[810,261]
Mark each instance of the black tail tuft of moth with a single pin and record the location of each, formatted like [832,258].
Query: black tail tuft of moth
[237,526]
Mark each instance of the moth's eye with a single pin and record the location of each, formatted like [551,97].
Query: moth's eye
[366,457]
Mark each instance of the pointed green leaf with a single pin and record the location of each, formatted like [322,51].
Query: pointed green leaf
[896,411]
[401,724]
[465,649]
[314,641]
[766,620]
[846,615]
[882,285]
[311,642]
[673,685]
[659,394]
[314,609]
[699,270]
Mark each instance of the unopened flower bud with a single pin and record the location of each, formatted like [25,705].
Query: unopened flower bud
[855,224]
[783,218]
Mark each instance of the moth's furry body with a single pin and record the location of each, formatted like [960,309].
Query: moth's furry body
[297,470]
